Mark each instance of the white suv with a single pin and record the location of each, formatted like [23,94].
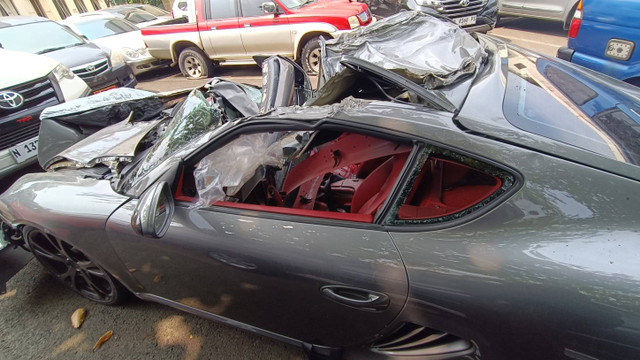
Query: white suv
[28,84]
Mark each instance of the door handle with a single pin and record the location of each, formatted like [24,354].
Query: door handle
[361,299]
[214,28]
[247,25]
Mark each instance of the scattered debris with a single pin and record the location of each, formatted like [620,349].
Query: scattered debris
[104,338]
[77,318]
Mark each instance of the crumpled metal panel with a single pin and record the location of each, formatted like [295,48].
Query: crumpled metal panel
[117,142]
[107,108]
[67,123]
[428,50]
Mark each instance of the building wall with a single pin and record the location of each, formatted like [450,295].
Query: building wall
[25,7]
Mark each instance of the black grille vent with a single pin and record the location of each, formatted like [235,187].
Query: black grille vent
[17,135]
[35,93]
[92,69]
[415,340]
[454,8]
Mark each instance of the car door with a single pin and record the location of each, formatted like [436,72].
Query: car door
[510,6]
[551,9]
[303,271]
[264,34]
[220,31]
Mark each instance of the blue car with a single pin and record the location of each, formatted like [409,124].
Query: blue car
[603,37]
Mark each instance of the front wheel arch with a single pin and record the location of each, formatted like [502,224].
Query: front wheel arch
[74,268]
[308,45]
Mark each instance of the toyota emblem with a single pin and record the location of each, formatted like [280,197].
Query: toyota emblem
[464,3]
[10,100]
[93,67]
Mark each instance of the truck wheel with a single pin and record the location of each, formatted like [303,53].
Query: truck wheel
[194,64]
[310,56]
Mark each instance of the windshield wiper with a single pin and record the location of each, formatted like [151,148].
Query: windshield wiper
[55,48]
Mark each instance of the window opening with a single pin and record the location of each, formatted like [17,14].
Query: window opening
[325,174]
[80,6]
[37,7]
[446,186]
[62,8]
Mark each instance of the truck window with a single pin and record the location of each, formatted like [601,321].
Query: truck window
[251,7]
[222,9]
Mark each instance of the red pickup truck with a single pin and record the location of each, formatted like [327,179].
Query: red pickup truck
[233,31]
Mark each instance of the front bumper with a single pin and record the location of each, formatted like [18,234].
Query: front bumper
[486,18]
[145,64]
[119,76]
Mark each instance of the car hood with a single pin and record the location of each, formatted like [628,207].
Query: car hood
[116,143]
[78,55]
[31,67]
[342,8]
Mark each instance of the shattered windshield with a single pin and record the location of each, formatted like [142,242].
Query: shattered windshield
[194,117]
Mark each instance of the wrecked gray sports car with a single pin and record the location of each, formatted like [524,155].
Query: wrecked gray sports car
[438,197]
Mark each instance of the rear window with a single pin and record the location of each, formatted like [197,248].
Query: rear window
[543,99]
[104,27]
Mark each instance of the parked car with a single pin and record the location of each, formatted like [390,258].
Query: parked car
[473,15]
[558,10]
[603,37]
[28,84]
[479,205]
[139,14]
[234,31]
[116,34]
[100,68]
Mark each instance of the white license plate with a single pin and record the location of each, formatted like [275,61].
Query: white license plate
[25,150]
[466,20]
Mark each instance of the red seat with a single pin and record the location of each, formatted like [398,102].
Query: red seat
[375,188]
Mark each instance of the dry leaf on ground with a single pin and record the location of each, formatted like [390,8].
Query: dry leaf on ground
[77,318]
[102,340]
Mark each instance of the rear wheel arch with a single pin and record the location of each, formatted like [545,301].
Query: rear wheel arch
[178,47]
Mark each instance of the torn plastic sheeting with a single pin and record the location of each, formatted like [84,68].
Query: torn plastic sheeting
[427,50]
[107,108]
[193,118]
[224,171]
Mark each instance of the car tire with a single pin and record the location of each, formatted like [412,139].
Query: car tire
[74,268]
[194,64]
[310,56]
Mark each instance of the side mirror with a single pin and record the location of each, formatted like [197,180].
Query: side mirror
[152,216]
[269,8]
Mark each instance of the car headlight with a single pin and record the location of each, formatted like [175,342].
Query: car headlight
[354,22]
[62,72]
[436,4]
[116,58]
[130,53]
[364,16]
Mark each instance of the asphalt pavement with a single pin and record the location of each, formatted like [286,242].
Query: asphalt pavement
[36,309]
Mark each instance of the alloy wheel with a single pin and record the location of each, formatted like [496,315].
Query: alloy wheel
[72,267]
